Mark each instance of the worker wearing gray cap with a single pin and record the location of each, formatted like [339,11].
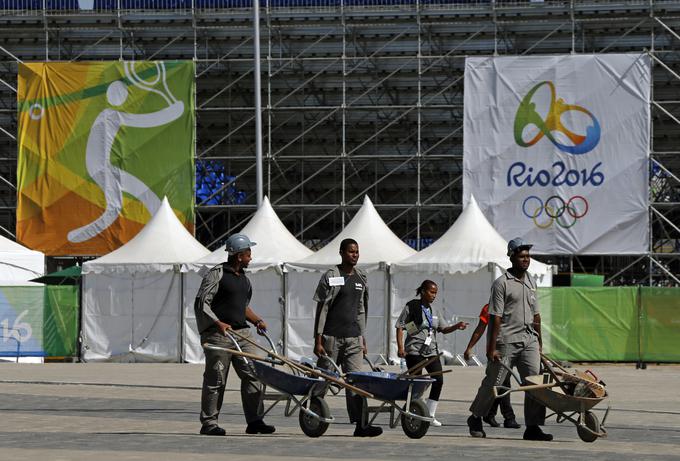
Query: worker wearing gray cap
[223,304]
[514,339]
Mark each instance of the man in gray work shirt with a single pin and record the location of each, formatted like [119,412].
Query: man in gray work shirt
[514,339]
[222,305]
[340,325]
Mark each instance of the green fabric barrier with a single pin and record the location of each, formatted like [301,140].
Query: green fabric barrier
[21,321]
[60,320]
[38,321]
[590,324]
[660,324]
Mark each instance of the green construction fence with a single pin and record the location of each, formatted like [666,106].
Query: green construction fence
[628,324]
[611,324]
[39,321]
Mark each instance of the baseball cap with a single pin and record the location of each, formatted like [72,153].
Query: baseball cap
[517,244]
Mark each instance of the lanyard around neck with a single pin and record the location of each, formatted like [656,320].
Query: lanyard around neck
[428,315]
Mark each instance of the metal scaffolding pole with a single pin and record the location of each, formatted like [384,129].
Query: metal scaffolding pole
[258,101]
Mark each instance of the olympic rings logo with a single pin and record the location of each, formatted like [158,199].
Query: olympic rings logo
[555,210]
[527,115]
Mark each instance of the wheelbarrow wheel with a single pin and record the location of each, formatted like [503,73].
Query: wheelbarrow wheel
[415,428]
[311,426]
[592,423]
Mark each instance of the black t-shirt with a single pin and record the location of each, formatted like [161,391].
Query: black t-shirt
[232,297]
[342,321]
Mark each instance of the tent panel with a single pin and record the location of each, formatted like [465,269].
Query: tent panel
[301,311]
[156,317]
[131,317]
[460,298]
[106,316]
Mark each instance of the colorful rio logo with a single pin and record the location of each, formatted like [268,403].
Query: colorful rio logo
[528,116]
[555,210]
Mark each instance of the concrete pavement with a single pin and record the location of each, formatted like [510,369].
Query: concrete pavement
[150,411]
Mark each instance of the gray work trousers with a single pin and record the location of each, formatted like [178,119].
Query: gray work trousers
[526,358]
[215,378]
[348,354]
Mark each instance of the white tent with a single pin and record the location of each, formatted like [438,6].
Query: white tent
[132,304]
[18,264]
[275,245]
[378,246]
[464,262]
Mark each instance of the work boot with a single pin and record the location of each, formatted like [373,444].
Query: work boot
[491,421]
[213,429]
[511,423]
[475,425]
[535,433]
[259,427]
[432,408]
[368,431]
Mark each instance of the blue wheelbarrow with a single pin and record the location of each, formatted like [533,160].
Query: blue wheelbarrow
[390,389]
[298,390]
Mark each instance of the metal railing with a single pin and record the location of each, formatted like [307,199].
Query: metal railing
[110,6]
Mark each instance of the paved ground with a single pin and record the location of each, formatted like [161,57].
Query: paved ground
[149,411]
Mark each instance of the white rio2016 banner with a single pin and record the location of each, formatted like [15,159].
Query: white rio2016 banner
[556,150]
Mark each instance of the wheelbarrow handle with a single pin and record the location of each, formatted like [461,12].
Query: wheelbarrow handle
[428,375]
[306,369]
[237,352]
[511,371]
[508,390]
[371,364]
[418,366]
[334,365]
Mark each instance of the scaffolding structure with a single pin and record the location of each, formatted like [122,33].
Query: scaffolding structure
[359,97]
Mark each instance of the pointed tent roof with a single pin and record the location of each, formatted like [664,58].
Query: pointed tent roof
[9,246]
[469,244]
[275,243]
[164,241]
[377,243]
[19,264]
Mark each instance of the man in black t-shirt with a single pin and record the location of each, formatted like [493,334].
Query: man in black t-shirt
[222,304]
[340,324]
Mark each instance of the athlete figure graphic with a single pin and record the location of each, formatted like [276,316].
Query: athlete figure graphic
[112,180]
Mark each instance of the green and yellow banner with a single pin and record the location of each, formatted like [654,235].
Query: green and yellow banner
[100,145]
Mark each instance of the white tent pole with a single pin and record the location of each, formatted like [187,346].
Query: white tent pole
[181,316]
[284,313]
[388,312]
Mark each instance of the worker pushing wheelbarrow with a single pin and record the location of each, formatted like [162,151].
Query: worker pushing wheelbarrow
[301,389]
[569,393]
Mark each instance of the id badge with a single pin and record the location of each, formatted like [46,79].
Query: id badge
[428,340]
[411,328]
[336,281]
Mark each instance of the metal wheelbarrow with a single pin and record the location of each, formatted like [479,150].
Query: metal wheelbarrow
[390,389]
[569,394]
[298,390]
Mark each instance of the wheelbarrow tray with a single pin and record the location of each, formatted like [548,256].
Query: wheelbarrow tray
[286,382]
[559,402]
[388,386]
